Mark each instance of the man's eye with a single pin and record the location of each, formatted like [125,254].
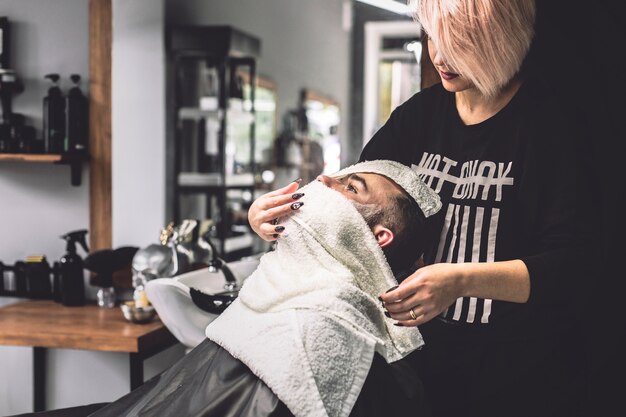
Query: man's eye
[350,188]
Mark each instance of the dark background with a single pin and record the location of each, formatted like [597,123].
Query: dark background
[580,51]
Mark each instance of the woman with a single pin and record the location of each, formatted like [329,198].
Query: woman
[492,300]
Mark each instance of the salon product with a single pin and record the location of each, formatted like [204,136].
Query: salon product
[4,42]
[9,86]
[54,117]
[2,269]
[208,86]
[19,277]
[76,118]
[101,263]
[19,138]
[72,279]
[56,282]
[38,277]
[235,102]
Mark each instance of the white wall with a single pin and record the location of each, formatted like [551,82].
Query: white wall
[138,176]
[303,43]
[38,203]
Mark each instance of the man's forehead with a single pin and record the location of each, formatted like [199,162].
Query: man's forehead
[374,182]
[404,179]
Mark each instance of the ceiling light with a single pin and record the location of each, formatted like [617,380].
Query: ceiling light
[390,5]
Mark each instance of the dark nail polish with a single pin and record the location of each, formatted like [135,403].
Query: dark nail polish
[275,235]
[398,324]
[392,288]
[296,206]
[387,314]
[299,180]
[279,228]
[380,298]
[275,221]
[297,196]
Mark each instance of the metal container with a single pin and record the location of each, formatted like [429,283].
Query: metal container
[137,314]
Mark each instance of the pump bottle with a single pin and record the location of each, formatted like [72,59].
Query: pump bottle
[54,117]
[71,274]
[76,118]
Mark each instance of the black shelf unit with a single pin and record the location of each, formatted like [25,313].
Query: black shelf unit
[226,51]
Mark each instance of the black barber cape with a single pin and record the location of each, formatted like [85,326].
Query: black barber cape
[209,382]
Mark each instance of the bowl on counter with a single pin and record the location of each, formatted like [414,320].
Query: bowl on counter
[136,314]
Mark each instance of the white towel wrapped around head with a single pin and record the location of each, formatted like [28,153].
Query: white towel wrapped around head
[427,200]
[308,321]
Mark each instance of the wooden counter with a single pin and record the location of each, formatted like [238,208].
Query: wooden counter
[46,324]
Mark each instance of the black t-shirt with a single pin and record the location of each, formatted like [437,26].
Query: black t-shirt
[511,188]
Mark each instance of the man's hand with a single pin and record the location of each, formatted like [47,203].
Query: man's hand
[428,292]
[265,211]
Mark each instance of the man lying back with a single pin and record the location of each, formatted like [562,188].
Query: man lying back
[307,335]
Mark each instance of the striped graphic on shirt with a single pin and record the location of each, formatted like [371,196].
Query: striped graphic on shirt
[461,241]
[475,190]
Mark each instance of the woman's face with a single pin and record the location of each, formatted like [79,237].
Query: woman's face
[450,80]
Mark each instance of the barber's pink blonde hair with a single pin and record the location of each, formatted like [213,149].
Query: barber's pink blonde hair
[484,41]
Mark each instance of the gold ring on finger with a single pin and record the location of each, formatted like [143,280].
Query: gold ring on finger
[412,314]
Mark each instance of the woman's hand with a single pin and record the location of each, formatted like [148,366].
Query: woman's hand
[265,211]
[428,292]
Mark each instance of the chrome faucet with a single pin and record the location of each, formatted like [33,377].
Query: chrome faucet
[216,264]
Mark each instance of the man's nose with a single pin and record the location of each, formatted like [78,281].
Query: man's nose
[327,181]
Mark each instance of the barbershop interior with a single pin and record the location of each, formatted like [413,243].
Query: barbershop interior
[136,136]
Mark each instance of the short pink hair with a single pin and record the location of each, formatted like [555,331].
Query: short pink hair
[484,41]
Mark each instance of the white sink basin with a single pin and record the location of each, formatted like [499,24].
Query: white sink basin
[172,301]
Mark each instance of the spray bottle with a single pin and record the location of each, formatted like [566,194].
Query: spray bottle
[71,266]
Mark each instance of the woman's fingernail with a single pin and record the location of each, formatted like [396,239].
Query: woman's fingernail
[275,221]
[275,235]
[387,313]
[299,180]
[279,228]
[380,299]
[392,288]
[398,324]
[296,206]
[297,196]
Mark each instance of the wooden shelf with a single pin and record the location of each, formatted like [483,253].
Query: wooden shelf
[25,157]
[75,161]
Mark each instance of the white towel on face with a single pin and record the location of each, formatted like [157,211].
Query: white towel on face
[308,320]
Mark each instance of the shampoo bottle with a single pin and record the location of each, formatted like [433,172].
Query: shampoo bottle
[72,278]
[54,117]
[76,118]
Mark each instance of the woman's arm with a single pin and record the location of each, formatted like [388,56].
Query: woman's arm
[433,288]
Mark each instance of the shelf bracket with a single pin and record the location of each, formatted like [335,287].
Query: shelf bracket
[75,163]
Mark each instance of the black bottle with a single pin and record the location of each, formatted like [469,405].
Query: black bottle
[56,282]
[38,277]
[71,270]
[54,117]
[76,118]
